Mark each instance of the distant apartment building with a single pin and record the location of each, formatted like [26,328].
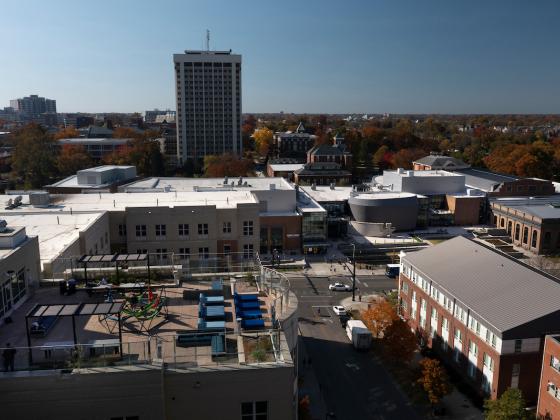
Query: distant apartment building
[484,313]
[151,115]
[532,223]
[208,96]
[33,107]
[548,406]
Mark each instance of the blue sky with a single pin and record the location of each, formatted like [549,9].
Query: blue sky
[397,56]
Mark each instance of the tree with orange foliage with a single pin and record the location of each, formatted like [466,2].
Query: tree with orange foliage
[263,140]
[73,158]
[66,133]
[219,166]
[404,158]
[434,380]
[399,342]
[379,317]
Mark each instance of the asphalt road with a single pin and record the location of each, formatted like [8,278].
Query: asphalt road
[354,385]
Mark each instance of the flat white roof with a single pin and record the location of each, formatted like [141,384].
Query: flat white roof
[105,168]
[436,173]
[55,230]
[286,166]
[380,195]
[189,184]
[323,193]
[72,182]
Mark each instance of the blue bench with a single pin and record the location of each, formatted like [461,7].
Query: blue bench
[195,339]
[217,344]
[246,297]
[253,304]
[249,314]
[252,323]
[43,325]
[210,325]
[211,300]
[215,313]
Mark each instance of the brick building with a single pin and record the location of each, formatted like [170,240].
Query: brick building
[485,314]
[549,391]
[533,223]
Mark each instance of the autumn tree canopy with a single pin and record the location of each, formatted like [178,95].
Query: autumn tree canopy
[67,133]
[379,317]
[434,380]
[218,166]
[73,158]
[34,157]
[399,342]
[263,140]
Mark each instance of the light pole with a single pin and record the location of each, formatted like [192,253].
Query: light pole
[354,272]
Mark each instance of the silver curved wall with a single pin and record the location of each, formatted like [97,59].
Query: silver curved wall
[401,212]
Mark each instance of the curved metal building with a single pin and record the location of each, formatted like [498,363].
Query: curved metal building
[399,209]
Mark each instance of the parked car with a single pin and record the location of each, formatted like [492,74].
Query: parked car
[339,310]
[340,287]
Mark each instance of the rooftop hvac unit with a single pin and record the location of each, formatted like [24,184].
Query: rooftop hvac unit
[272,187]
[17,200]
[331,185]
[3,225]
[39,198]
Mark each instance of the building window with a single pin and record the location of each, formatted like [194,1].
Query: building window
[517,348]
[161,254]
[525,235]
[517,231]
[140,231]
[515,371]
[534,239]
[203,228]
[473,348]
[161,230]
[488,362]
[248,251]
[141,251]
[434,314]
[203,253]
[184,253]
[405,287]
[555,363]
[248,228]
[226,227]
[509,227]
[458,336]
[183,229]
[254,410]
[122,230]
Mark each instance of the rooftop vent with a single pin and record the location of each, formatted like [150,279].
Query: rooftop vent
[240,182]
[226,181]
[313,186]
[332,185]
[3,225]
[272,187]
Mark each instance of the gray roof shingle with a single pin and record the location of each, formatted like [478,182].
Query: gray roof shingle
[501,291]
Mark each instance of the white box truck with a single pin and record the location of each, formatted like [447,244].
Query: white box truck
[359,334]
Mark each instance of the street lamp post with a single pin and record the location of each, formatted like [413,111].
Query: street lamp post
[354,272]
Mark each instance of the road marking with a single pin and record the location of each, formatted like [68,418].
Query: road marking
[365,284]
[353,366]
[358,281]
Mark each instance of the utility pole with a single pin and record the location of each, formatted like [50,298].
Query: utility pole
[354,272]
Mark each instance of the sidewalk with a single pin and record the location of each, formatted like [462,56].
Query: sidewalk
[308,385]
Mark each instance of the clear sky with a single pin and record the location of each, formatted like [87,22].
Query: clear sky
[331,56]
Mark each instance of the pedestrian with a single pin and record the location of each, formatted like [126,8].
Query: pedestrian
[360,297]
[9,355]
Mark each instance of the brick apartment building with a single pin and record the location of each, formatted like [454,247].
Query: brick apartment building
[549,390]
[485,314]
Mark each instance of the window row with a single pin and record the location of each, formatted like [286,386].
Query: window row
[184,229]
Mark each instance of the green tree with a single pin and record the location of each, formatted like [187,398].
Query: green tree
[434,380]
[510,406]
[34,157]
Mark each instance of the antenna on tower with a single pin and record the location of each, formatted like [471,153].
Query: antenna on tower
[207,40]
